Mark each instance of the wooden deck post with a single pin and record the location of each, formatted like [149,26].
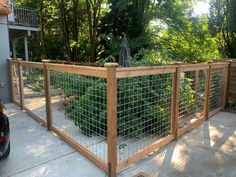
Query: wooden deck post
[207,92]
[21,84]
[175,101]
[112,118]
[47,94]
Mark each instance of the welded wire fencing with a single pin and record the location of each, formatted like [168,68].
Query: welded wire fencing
[15,82]
[144,112]
[34,90]
[191,96]
[79,110]
[117,116]
[216,89]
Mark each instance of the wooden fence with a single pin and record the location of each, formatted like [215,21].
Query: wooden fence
[117,116]
[232,80]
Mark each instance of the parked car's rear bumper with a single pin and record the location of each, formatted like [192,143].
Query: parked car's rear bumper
[4,135]
[3,146]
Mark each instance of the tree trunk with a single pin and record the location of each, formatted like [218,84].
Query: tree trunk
[42,29]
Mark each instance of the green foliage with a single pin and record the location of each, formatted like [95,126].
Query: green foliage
[72,84]
[222,25]
[134,108]
[139,109]
[108,59]
[232,104]
[187,100]
[149,58]
[89,111]
[192,42]
[215,98]
[88,31]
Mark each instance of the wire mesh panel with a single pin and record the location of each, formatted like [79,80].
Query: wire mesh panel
[216,89]
[191,96]
[34,91]
[144,112]
[79,110]
[16,83]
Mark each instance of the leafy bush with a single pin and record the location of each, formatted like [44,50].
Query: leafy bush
[187,93]
[72,84]
[136,111]
[144,103]
[89,111]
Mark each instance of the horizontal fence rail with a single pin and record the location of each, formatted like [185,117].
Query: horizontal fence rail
[117,116]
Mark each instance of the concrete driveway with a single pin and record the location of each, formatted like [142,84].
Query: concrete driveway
[35,152]
[207,151]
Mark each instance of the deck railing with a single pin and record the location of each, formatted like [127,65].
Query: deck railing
[24,16]
[117,116]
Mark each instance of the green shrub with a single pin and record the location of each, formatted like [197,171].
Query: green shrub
[89,111]
[72,84]
[144,105]
[139,111]
[186,98]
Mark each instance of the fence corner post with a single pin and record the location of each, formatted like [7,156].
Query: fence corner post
[175,101]
[21,84]
[112,118]
[47,94]
[207,92]
[229,61]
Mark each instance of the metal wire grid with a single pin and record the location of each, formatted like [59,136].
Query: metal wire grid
[79,110]
[34,91]
[16,82]
[191,96]
[216,88]
[144,112]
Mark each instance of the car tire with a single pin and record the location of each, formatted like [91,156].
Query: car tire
[7,153]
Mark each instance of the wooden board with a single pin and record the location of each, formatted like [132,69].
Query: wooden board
[82,70]
[193,67]
[81,149]
[232,81]
[144,71]
[32,64]
[112,118]
[35,117]
[191,126]
[141,154]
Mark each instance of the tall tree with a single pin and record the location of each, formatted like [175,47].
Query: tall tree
[223,25]
[94,16]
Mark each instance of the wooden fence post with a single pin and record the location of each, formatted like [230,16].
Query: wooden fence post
[207,92]
[228,81]
[195,81]
[21,84]
[175,101]
[11,80]
[47,94]
[112,118]
[225,83]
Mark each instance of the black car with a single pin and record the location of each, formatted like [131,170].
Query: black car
[4,133]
